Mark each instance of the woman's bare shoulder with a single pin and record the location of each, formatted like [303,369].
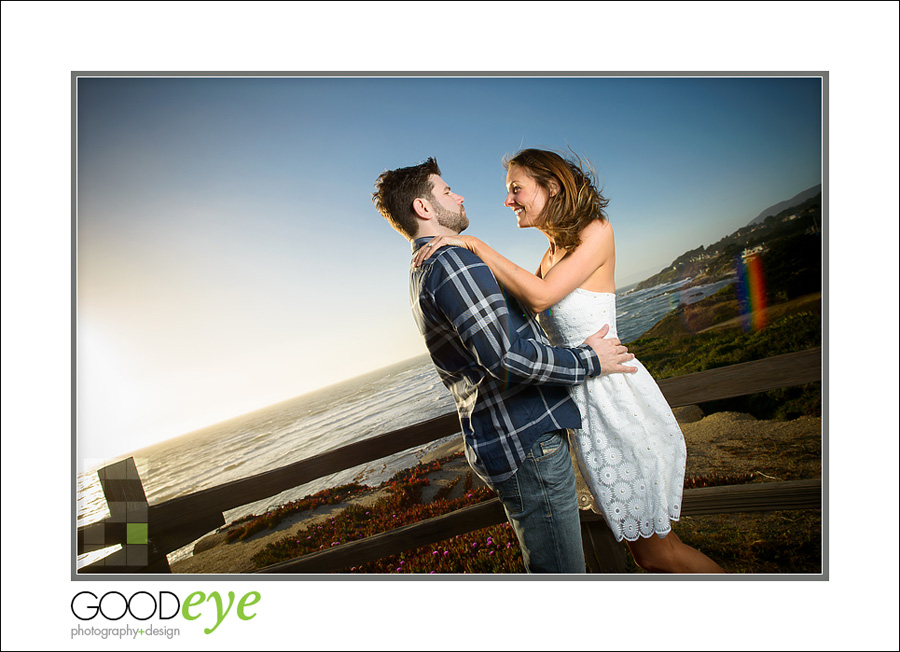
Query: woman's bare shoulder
[597,231]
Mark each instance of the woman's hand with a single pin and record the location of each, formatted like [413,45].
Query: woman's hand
[426,250]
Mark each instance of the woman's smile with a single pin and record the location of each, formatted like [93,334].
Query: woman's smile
[524,196]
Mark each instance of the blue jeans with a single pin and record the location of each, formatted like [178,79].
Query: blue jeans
[542,507]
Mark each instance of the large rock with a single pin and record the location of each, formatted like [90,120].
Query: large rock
[688,413]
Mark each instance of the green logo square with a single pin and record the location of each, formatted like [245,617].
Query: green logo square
[136,533]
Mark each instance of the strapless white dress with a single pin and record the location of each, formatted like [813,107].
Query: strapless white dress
[630,449]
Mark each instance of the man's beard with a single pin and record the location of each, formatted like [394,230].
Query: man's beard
[456,222]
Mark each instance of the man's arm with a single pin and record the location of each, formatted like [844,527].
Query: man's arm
[466,292]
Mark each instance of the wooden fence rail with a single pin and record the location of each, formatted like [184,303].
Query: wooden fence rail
[148,532]
[768,496]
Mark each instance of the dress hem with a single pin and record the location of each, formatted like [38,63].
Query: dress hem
[621,537]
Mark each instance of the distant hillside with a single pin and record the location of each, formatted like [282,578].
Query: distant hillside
[794,201]
[716,262]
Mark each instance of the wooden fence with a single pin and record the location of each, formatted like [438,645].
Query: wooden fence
[148,532]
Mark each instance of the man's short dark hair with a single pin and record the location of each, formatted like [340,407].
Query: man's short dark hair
[396,190]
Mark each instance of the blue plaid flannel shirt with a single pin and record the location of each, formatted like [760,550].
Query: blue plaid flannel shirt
[493,356]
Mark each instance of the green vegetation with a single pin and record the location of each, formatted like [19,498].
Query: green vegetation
[672,349]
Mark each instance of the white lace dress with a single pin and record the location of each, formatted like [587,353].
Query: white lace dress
[630,449]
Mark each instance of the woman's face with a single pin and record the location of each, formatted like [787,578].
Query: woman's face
[524,196]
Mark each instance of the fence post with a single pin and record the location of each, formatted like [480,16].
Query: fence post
[602,553]
[128,507]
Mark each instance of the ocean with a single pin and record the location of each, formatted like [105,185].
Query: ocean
[372,404]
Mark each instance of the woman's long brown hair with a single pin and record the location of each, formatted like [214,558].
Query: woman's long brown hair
[576,204]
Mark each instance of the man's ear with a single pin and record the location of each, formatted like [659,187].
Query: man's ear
[422,208]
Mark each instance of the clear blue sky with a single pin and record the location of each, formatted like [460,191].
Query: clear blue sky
[229,255]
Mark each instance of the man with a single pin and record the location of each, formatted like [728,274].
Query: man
[508,382]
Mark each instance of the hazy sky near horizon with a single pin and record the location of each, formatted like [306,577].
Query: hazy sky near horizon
[229,255]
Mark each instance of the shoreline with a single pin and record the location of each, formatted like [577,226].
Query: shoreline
[721,442]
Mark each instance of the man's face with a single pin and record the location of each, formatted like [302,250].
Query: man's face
[448,206]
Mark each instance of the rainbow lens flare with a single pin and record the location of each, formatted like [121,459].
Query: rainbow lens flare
[751,290]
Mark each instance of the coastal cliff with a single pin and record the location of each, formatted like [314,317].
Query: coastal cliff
[776,232]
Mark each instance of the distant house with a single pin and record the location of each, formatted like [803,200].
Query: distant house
[749,253]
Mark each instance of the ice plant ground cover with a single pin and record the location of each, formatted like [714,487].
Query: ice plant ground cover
[489,550]
[250,525]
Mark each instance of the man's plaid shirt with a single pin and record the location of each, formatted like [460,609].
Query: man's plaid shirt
[493,356]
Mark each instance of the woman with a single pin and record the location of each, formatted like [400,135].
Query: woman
[630,449]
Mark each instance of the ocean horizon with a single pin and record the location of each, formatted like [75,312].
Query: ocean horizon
[373,403]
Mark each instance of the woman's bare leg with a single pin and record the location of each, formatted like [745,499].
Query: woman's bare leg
[670,555]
